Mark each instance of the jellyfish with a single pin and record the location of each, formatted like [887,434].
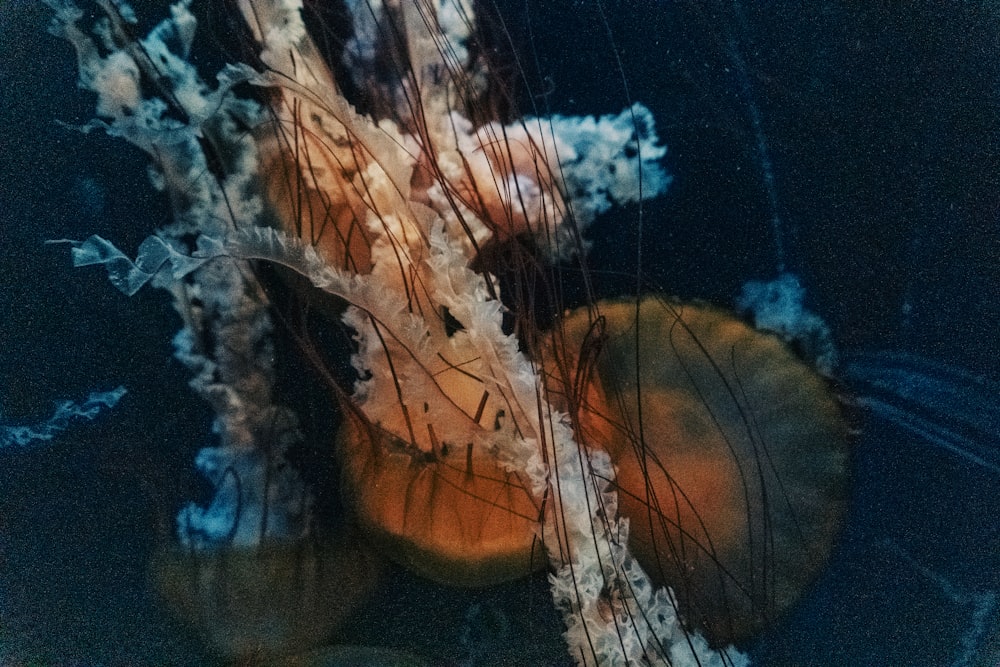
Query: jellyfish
[708,438]
[457,456]
[285,281]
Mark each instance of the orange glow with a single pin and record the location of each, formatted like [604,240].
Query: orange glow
[731,458]
[451,515]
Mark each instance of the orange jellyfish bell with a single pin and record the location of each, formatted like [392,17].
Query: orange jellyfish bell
[451,515]
[731,457]
[273,600]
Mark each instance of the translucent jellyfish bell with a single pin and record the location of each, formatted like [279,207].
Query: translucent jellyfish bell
[731,453]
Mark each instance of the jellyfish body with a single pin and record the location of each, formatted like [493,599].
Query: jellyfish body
[276,600]
[451,515]
[731,456]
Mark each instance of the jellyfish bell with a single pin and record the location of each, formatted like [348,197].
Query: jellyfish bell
[274,600]
[450,515]
[266,569]
[731,456]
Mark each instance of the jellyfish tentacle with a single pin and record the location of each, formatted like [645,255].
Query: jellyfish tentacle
[942,405]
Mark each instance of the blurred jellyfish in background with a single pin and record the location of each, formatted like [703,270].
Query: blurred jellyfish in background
[852,149]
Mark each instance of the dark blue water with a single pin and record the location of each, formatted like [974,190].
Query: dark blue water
[882,128]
